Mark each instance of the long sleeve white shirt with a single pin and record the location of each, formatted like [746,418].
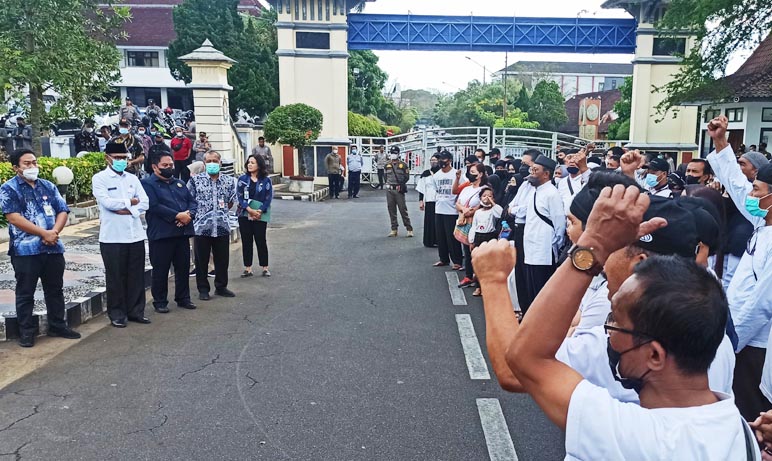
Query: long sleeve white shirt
[570,186]
[541,241]
[113,192]
[518,207]
[484,221]
[425,185]
[750,291]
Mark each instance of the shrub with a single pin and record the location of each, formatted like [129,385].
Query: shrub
[83,169]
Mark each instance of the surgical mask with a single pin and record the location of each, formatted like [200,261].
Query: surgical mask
[119,165]
[123,130]
[752,206]
[614,357]
[141,132]
[572,169]
[180,134]
[166,172]
[31,174]
[353,152]
[393,156]
[652,180]
[89,130]
[212,168]
[692,179]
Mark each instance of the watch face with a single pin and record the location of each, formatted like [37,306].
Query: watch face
[583,259]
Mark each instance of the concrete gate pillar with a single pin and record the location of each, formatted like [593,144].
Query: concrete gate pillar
[210,87]
[654,65]
[313,61]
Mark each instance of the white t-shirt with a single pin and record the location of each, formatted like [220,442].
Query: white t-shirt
[469,196]
[446,199]
[595,305]
[586,353]
[600,427]
[484,221]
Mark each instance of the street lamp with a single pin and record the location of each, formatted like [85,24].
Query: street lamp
[485,69]
[63,177]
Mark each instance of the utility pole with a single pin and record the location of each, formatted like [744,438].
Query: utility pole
[506,64]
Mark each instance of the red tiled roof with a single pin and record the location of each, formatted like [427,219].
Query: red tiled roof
[607,101]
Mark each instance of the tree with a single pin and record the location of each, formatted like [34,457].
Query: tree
[523,101]
[66,47]
[365,83]
[296,125]
[547,105]
[620,128]
[249,40]
[515,118]
[721,28]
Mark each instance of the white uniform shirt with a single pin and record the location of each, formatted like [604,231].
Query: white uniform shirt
[569,187]
[426,186]
[446,199]
[586,353]
[595,305]
[518,207]
[542,241]
[750,291]
[113,192]
[598,427]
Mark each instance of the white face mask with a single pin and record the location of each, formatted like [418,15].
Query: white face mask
[89,130]
[180,134]
[393,156]
[31,174]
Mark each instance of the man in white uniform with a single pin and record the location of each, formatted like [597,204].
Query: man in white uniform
[750,291]
[578,174]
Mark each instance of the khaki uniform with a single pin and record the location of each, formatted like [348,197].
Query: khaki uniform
[397,175]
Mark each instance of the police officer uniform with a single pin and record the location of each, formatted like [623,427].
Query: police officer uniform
[397,174]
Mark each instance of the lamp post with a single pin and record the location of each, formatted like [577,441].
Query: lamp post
[485,69]
[63,177]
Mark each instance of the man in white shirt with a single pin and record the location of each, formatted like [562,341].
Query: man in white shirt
[578,174]
[750,290]
[445,212]
[545,229]
[656,177]
[518,208]
[121,200]
[662,339]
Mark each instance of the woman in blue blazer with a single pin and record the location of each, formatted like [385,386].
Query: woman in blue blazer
[255,193]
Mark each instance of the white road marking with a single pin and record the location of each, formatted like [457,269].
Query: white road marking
[500,446]
[456,293]
[475,361]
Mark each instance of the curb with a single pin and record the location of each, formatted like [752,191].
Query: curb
[316,196]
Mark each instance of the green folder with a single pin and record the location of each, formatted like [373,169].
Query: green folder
[255,205]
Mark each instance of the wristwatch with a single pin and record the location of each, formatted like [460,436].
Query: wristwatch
[584,260]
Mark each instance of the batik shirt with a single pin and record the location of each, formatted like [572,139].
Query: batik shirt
[40,206]
[214,198]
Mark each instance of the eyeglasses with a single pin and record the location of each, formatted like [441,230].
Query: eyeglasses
[607,327]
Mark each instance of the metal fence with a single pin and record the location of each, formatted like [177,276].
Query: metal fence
[417,147]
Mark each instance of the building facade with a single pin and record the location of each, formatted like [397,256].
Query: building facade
[572,77]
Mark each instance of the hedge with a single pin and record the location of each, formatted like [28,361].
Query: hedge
[83,169]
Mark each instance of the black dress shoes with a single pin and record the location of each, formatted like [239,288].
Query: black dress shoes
[204,296]
[190,306]
[65,332]
[225,293]
[142,320]
[118,323]
[27,341]
[162,310]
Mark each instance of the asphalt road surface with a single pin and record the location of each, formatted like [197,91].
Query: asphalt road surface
[355,349]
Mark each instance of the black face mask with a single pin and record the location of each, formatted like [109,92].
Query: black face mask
[166,172]
[525,170]
[471,177]
[445,163]
[636,384]
[692,179]
[435,168]
[502,174]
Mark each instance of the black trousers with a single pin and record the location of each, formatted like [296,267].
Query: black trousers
[181,170]
[163,254]
[447,245]
[49,269]
[219,248]
[535,279]
[747,377]
[381,177]
[124,279]
[520,285]
[354,178]
[336,184]
[468,269]
[430,228]
[253,231]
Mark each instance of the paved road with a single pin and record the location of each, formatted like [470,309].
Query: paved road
[351,351]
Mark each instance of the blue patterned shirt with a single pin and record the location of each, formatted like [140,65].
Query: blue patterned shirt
[214,199]
[40,206]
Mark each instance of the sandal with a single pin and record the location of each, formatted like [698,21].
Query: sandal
[266,273]
[439,264]
[246,274]
[457,267]
[477,292]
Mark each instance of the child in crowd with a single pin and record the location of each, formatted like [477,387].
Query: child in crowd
[485,223]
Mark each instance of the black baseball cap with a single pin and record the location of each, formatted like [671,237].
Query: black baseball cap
[679,237]
[706,218]
[445,155]
[658,164]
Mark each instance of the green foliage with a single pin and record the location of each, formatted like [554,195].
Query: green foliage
[364,87]
[421,101]
[523,101]
[64,46]
[620,129]
[515,118]
[297,125]
[547,105]
[721,28]
[483,105]
[408,119]
[395,130]
[83,169]
[250,41]
[360,125]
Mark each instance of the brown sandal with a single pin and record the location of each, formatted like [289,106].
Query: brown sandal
[457,267]
[477,292]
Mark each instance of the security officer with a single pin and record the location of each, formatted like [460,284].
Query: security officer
[169,228]
[397,175]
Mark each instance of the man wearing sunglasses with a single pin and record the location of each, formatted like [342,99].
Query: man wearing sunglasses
[662,339]
[750,290]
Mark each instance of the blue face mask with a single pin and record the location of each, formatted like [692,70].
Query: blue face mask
[572,169]
[120,165]
[212,168]
[652,180]
[123,130]
[752,206]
